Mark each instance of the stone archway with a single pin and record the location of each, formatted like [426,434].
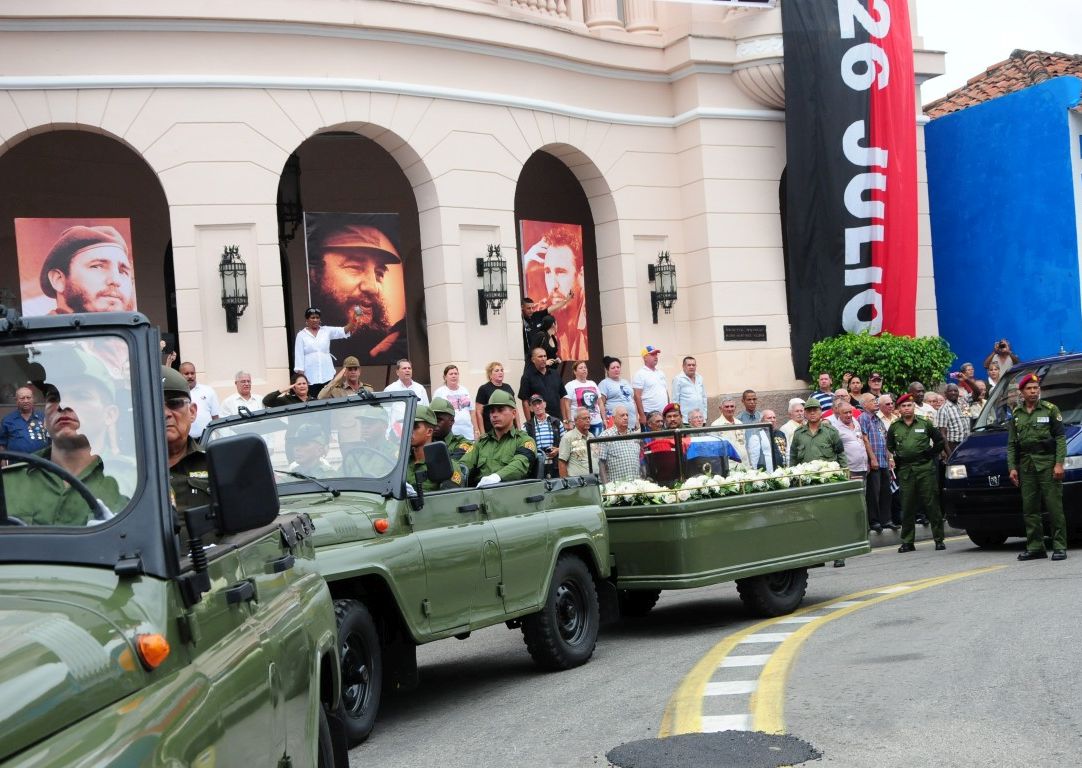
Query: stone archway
[560,184]
[71,173]
[343,171]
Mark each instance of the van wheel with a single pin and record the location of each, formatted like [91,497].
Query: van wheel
[362,669]
[325,753]
[564,632]
[987,540]
[774,594]
[636,603]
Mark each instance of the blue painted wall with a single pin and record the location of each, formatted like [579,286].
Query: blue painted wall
[1004,238]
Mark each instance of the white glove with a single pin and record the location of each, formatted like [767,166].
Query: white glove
[488,480]
[410,490]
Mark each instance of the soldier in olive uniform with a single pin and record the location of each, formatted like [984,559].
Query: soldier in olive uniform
[503,453]
[188,480]
[816,439]
[445,419]
[424,424]
[1036,449]
[915,442]
[367,449]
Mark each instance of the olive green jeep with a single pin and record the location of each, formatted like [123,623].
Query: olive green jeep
[131,635]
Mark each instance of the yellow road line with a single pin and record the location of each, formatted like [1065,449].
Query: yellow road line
[683,714]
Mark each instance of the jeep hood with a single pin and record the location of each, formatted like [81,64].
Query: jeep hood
[59,662]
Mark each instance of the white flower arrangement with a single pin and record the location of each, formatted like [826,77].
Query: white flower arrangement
[740,480]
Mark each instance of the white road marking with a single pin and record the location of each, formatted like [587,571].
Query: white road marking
[892,590]
[756,660]
[731,687]
[842,604]
[798,620]
[767,637]
[715,723]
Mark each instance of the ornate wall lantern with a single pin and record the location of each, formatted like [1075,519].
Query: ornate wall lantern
[493,273]
[663,276]
[234,274]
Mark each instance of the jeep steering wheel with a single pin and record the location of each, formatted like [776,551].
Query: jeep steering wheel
[358,450]
[97,509]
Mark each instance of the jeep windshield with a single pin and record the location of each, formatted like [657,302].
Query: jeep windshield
[337,445]
[67,411]
[1061,383]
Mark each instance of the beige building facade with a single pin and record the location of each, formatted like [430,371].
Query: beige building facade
[669,116]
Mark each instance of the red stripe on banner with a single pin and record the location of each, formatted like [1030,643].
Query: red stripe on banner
[894,128]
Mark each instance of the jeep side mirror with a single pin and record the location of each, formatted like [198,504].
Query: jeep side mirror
[438,462]
[243,491]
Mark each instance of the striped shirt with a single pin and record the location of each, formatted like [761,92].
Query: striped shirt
[877,437]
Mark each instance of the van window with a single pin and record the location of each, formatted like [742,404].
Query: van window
[1061,383]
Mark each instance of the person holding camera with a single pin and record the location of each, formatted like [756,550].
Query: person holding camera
[1003,355]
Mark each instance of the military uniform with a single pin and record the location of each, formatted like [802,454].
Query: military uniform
[38,497]
[825,444]
[1036,443]
[342,390]
[510,456]
[188,480]
[457,445]
[413,467]
[915,447]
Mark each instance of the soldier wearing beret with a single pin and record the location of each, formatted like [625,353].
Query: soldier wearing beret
[347,267]
[89,269]
[188,480]
[445,420]
[424,425]
[503,453]
[915,442]
[1036,450]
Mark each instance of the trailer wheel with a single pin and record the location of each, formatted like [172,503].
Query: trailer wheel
[987,540]
[636,603]
[564,632]
[774,594]
[362,669]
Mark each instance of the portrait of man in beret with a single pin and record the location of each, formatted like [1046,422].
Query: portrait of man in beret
[355,275]
[83,267]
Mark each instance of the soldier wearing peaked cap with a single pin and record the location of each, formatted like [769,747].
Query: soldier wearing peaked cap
[503,453]
[915,442]
[1036,450]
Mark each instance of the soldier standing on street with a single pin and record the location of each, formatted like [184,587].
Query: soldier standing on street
[1036,449]
[915,442]
[503,453]
[445,420]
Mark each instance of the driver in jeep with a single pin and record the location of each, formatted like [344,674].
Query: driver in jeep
[503,453]
[78,414]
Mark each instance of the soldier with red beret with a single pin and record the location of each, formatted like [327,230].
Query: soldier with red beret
[915,442]
[1036,450]
[89,269]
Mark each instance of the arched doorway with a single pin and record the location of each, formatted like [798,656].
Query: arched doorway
[58,179]
[352,176]
[551,202]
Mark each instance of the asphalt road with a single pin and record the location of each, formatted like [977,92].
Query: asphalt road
[956,658]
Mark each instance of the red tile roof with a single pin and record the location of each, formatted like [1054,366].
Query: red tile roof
[1021,70]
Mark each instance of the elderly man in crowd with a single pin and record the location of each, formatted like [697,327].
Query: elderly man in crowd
[734,436]
[619,460]
[952,423]
[243,397]
[24,428]
[203,398]
[796,419]
[546,432]
[573,459]
[857,452]
[920,407]
[877,486]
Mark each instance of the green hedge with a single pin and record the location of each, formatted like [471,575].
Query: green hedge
[900,359]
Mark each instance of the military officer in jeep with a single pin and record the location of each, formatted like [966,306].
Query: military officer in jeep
[503,453]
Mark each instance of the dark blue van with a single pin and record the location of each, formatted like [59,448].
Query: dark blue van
[978,495]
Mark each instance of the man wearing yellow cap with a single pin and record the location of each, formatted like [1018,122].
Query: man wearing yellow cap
[89,269]
[1036,450]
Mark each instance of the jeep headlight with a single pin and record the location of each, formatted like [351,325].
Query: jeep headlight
[957,472]
[1072,462]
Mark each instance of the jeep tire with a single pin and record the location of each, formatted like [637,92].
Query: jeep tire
[362,669]
[987,540]
[773,594]
[636,603]
[564,632]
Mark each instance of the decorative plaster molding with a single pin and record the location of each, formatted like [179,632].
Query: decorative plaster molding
[757,47]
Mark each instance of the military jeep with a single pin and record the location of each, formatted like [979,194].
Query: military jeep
[131,635]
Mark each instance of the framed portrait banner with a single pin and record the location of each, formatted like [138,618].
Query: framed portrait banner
[552,275]
[75,265]
[355,271]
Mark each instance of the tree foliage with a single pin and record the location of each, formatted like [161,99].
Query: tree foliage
[900,359]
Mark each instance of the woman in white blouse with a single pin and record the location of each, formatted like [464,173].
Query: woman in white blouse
[312,349]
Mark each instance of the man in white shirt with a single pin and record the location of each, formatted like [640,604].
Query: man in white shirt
[242,397]
[796,418]
[648,385]
[916,391]
[203,398]
[405,382]
[688,390]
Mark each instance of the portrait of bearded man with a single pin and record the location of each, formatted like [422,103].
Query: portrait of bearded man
[348,272]
[558,258]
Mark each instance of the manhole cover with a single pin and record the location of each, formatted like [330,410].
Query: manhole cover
[727,749]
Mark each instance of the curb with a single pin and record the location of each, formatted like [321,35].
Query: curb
[923,533]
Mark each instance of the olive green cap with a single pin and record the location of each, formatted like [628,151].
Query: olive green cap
[499,397]
[424,414]
[442,405]
[173,382]
[811,402]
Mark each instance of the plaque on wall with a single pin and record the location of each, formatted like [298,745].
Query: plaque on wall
[744,332]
